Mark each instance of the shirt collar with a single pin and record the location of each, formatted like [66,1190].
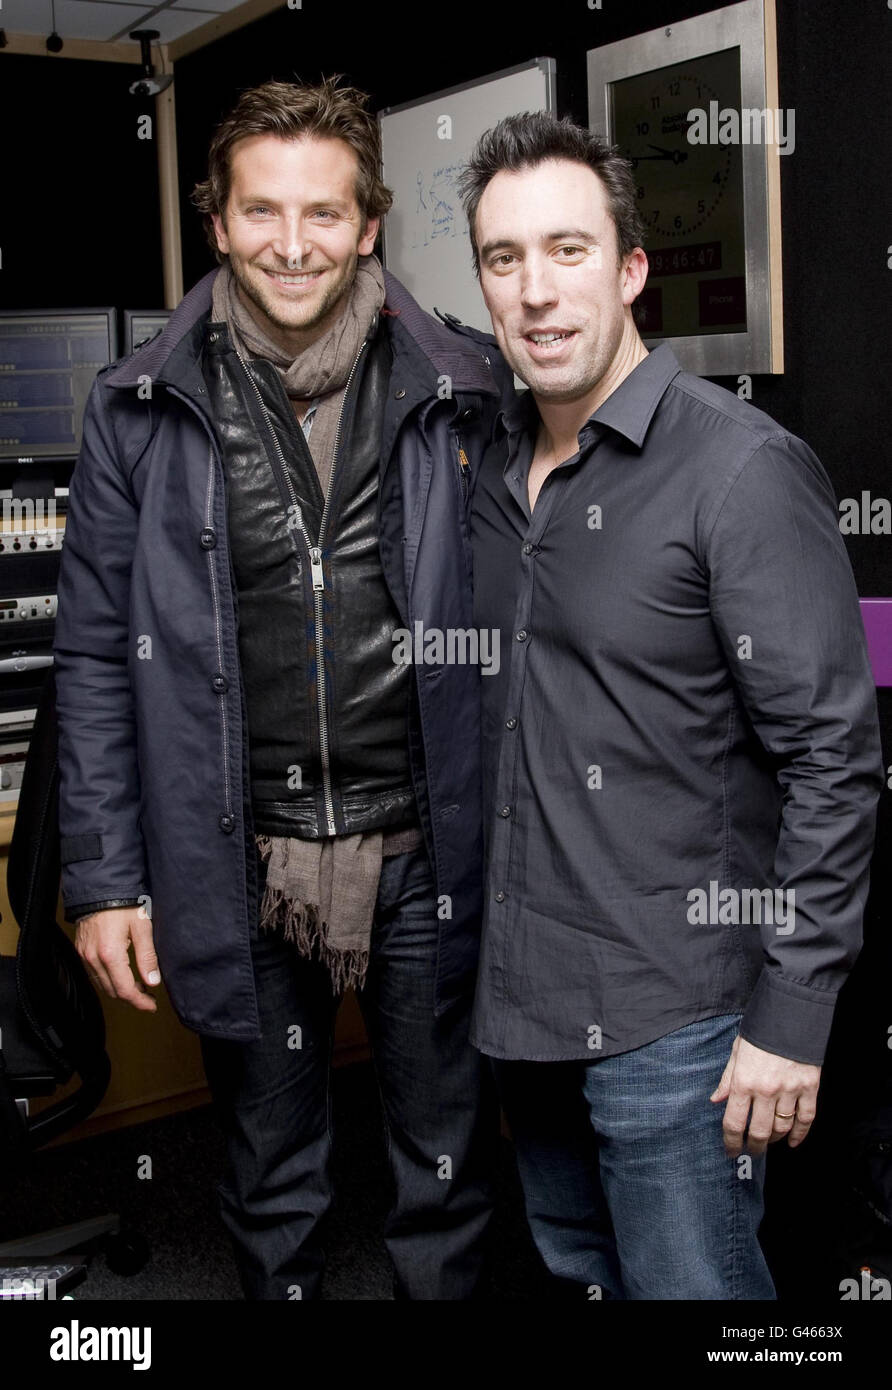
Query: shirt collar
[628,410]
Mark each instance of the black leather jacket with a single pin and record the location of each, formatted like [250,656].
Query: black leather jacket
[327,707]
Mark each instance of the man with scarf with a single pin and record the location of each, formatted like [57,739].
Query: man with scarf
[298,351]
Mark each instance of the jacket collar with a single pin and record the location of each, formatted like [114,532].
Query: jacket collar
[448,352]
[445,352]
[628,410]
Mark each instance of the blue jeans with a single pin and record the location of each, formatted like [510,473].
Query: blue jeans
[629,1192]
[274,1103]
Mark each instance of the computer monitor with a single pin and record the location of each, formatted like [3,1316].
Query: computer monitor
[48,361]
[140,325]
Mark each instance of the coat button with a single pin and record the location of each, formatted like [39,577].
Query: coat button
[208,538]
[468,414]
[528,548]
[500,896]
[522,635]
[505,812]
[227,823]
[400,393]
[511,723]
[219,683]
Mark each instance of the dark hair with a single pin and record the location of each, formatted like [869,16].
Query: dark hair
[526,140]
[291,111]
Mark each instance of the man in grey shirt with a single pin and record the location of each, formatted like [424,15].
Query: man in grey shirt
[681,752]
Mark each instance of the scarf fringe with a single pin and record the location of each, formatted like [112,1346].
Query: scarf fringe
[299,923]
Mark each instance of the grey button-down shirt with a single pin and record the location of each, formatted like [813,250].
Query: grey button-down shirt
[681,747]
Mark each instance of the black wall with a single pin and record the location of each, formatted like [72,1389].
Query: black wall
[79,221]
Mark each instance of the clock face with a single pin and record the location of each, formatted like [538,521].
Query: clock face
[679,185]
[690,195]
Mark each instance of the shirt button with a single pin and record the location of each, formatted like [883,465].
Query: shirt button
[511,723]
[220,683]
[208,538]
[500,896]
[227,823]
[528,548]
[505,811]
[522,635]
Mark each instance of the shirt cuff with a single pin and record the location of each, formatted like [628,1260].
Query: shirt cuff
[789,1019]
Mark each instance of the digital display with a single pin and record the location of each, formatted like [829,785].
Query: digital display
[48,362]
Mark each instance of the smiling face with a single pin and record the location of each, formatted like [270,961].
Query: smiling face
[293,232]
[558,296]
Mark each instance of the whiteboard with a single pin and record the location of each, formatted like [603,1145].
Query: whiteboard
[426,242]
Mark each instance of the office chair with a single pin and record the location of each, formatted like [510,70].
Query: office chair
[51,1022]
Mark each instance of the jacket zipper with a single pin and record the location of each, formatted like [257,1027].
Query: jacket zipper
[465,468]
[315,553]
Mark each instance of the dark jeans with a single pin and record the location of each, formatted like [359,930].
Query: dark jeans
[629,1192]
[273,1099]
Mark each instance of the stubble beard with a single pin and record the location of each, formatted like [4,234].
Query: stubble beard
[583,376]
[336,293]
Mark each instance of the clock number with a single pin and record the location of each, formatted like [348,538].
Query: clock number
[701,206]
[655,103]
[717,178]
[639,192]
[654,217]
[643,127]
[674,88]
[677,222]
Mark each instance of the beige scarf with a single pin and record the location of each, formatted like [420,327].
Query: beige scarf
[321,371]
[320,893]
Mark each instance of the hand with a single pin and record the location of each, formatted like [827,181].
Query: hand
[770,1084]
[103,940]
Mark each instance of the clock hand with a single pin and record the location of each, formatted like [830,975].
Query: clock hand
[676,156]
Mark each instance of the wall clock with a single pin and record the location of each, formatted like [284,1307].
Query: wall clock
[693,107]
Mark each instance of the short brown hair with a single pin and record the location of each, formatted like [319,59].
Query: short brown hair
[292,111]
[525,141]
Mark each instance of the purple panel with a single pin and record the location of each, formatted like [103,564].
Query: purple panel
[877,615]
